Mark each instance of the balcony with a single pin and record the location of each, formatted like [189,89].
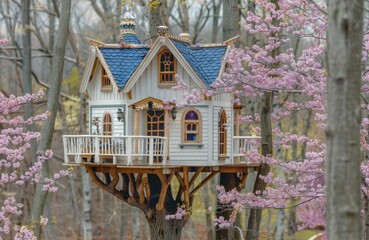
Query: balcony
[140,150]
[120,149]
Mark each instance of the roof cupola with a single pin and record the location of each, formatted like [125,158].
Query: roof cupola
[128,28]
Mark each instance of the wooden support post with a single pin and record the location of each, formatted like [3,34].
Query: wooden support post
[243,180]
[164,187]
[187,189]
[103,186]
[114,182]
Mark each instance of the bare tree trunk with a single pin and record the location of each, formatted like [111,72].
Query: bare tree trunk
[86,188]
[26,68]
[231,18]
[266,149]
[208,188]
[154,20]
[136,228]
[345,26]
[48,127]
[279,235]
[162,229]
[216,17]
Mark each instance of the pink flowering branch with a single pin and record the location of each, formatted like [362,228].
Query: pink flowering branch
[14,143]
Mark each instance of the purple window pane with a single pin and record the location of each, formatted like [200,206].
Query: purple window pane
[191,115]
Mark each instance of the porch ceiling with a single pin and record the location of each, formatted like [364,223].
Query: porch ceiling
[157,103]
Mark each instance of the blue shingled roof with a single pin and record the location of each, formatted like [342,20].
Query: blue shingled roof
[123,62]
[131,38]
[205,61]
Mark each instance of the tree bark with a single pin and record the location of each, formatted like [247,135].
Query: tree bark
[26,68]
[52,102]
[231,19]
[216,17]
[161,229]
[266,150]
[154,19]
[86,185]
[345,26]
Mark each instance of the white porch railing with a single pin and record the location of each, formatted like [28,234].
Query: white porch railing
[77,147]
[242,144]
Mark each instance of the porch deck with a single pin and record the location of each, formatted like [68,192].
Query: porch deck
[144,151]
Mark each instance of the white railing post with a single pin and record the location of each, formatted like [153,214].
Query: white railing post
[97,149]
[79,142]
[151,151]
[164,150]
[66,159]
[129,151]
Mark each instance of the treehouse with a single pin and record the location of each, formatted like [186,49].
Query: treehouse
[138,125]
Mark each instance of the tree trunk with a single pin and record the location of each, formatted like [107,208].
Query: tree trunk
[52,102]
[216,17]
[208,189]
[266,149]
[26,69]
[231,20]
[345,26]
[86,217]
[154,20]
[161,229]
[279,235]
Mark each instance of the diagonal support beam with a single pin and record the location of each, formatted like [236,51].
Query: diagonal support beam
[197,173]
[207,179]
[164,187]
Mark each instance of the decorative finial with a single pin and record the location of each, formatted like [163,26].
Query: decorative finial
[127,15]
[162,30]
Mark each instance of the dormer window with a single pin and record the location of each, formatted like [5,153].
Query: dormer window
[167,68]
[105,81]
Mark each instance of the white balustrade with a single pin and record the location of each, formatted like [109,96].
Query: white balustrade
[98,147]
[243,144]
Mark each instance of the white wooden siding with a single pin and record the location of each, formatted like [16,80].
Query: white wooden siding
[147,85]
[99,97]
[99,111]
[188,153]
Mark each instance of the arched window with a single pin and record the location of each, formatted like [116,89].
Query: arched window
[191,126]
[167,68]
[222,138]
[107,124]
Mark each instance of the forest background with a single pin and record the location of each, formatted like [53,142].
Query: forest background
[78,203]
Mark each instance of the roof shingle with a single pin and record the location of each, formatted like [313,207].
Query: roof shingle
[123,62]
[206,61]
